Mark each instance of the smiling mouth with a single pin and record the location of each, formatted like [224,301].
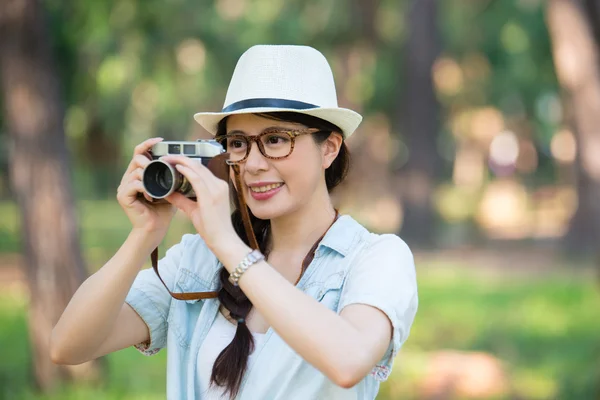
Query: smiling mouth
[266,188]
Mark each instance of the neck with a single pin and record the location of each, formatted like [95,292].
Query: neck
[299,230]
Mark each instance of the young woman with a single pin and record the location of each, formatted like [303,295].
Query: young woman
[319,311]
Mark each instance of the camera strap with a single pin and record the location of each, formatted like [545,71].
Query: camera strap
[219,167]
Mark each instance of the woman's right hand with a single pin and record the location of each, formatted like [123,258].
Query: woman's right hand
[144,215]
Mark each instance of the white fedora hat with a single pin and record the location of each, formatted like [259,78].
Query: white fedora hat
[270,78]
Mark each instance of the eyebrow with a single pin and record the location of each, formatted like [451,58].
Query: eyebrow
[280,128]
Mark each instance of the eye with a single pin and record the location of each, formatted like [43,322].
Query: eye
[277,138]
[236,143]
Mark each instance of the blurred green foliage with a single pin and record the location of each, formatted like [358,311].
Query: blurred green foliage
[135,69]
[103,229]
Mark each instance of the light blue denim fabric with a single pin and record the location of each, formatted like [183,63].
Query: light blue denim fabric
[351,265]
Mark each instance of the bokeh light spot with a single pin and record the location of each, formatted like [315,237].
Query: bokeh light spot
[191,56]
[563,146]
[504,148]
[447,76]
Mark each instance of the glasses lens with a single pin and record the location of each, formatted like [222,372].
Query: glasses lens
[276,143]
[235,145]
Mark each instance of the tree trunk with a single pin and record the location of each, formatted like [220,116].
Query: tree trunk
[102,155]
[364,14]
[420,121]
[40,179]
[576,59]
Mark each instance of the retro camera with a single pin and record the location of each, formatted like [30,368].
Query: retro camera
[160,179]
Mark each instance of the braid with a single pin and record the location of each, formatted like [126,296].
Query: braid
[231,364]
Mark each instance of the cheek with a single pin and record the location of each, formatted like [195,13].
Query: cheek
[301,177]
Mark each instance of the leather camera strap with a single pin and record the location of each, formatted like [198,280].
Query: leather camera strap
[220,169]
[244,208]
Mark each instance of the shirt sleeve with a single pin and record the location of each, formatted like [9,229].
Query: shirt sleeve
[384,277]
[151,301]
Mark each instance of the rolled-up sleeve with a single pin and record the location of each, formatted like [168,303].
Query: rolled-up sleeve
[384,277]
[151,301]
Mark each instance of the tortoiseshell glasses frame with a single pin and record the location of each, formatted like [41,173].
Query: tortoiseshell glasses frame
[291,133]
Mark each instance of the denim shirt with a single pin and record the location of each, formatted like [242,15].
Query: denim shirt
[351,265]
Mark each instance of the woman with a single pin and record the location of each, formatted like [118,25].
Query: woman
[318,312]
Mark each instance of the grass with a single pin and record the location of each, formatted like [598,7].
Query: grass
[130,374]
[545,331]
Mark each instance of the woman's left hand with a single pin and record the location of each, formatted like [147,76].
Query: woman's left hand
[211,212]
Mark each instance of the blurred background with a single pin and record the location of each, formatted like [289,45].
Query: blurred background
[480,146]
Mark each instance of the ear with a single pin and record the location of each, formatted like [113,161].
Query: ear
[330,149]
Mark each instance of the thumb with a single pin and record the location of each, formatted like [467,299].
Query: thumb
[181,202]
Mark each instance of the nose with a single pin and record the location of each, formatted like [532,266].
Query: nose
[256,161]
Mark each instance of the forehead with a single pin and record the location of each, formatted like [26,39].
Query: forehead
[252,124]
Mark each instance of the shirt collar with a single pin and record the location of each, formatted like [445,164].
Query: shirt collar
[340,237]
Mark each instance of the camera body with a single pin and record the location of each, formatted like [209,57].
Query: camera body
[160,179]
[201,148]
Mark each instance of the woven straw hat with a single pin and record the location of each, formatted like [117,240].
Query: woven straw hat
[271,78]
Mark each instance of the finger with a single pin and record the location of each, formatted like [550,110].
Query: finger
[195,166]
[202,179]
[141,150]
[183,203]
[197,182]
[192,163]
[138,160]
[141,160]
[146,145]
[135,164]
[136,175]
[128,193]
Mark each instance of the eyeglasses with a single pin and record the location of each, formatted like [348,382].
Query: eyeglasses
[274,144]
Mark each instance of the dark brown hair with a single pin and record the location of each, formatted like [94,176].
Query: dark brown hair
[231,364]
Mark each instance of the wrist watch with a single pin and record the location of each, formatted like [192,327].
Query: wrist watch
[252,258]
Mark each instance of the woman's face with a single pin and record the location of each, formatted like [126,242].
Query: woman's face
[277,187]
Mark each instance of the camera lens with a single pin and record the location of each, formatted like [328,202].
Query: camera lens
[164,179]
[160,179]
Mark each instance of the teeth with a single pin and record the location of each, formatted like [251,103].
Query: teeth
[262,189]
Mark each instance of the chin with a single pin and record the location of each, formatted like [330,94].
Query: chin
[265,211]
[270,209]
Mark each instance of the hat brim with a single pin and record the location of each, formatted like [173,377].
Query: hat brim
[348,120]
